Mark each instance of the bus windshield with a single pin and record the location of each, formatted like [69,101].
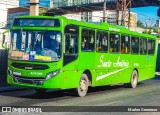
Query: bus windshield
[35,45]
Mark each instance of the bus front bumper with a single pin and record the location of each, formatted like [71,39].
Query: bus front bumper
[52,83]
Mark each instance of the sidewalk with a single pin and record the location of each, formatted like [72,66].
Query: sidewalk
[9,88]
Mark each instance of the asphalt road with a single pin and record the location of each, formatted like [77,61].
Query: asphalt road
[146,94]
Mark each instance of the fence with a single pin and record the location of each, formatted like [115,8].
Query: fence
[3,66]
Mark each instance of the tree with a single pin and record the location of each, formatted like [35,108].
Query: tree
[140,24]
[155,30]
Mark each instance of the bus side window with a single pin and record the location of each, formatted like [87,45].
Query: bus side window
[135,45]
[114,43]
[143,46]
[151,46]
[125,44]
[102,41]
[88,40]
[71,44]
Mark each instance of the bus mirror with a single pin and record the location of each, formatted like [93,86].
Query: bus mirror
[3,46]
[6,40]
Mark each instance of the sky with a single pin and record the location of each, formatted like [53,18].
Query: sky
[147,14]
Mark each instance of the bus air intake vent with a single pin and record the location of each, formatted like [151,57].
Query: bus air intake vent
[29,66]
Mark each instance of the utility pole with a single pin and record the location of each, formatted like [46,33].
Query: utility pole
[123,7]
[34,7]
[104,10]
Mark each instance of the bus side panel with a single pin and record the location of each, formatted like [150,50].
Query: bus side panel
[102,69]
[142,67]
[135,63]
[125,74]
[151,66]
[87,62]
[70,75]
[113,68]
[73,71]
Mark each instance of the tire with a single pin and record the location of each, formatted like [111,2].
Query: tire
[81,91]
[40,91]
[133,81]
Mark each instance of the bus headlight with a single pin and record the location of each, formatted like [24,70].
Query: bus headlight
[52,74]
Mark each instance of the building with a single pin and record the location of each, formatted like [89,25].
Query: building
[158,23]
[86,16]
[63,3]
[111,16]
[4,6]
[75,16]
[133,20]
[97,16]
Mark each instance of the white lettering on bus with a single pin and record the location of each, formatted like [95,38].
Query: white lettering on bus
[122,63]
[114,29]
[118,63]
[104,64]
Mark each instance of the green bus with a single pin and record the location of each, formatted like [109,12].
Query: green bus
[53,52]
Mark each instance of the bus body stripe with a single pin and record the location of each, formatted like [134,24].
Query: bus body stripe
[106,75]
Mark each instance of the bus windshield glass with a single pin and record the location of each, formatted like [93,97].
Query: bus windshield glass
[36,22]
[35,45]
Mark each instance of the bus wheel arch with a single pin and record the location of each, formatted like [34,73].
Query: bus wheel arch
[89,75]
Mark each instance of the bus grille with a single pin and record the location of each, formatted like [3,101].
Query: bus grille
[29,66]
[26,77]
[28,81]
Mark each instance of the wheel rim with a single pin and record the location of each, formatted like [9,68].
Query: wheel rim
[134,80]
[83,85]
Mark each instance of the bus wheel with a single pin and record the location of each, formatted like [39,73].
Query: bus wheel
[81,91]
[134,80]
[40,91]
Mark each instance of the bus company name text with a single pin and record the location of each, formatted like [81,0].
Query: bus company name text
[118,63]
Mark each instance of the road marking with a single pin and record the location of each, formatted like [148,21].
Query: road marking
[112,103]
